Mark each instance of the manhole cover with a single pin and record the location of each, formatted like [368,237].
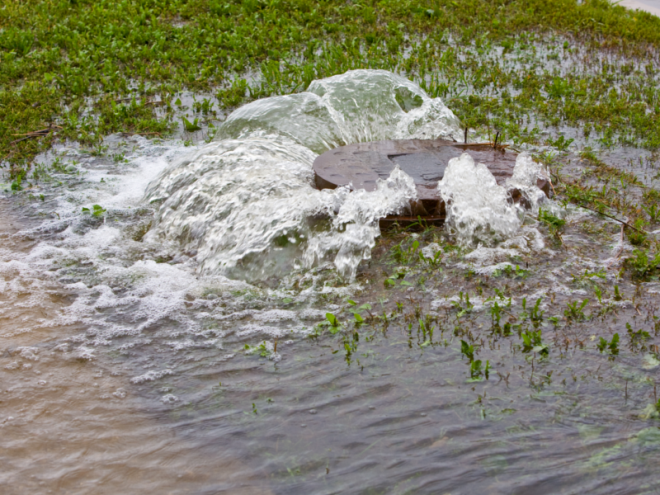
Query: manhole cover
[362,164]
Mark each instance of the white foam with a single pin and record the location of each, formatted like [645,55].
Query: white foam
[355,225]
[150,376]
[478,210]
[526,173]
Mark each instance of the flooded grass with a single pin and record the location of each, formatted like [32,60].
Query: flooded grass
[505,369]
[78,71]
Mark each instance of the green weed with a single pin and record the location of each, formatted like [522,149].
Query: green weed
[554,223]
[260,349]
[355,309]
[641,264]
[335,326]
[653,211]
[511,272]
[574,310]
[404,255]
[463,306]
[561,143]
[467,350]
[637,337]
[495,314]
[479,371]
[96,211]
[434,261]
[532,342]
[536,315]
[599,294]
[191,126]
[103,67]
[612,345]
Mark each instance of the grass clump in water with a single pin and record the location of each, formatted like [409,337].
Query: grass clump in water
[96,68]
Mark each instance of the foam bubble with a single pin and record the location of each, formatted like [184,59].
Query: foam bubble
[150,376]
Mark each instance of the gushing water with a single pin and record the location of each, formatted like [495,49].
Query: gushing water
[358,106]
[245,205]
[479,211]
[355,225]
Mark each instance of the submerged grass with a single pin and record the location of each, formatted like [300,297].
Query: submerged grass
[96,68]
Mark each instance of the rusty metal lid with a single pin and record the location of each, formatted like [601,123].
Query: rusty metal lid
[362,164]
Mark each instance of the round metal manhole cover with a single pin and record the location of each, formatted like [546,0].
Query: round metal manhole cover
[362,164]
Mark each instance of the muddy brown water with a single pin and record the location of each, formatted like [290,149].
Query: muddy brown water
[70,425]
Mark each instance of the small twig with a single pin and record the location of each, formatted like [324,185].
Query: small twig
[35,134]
[561,240]
[147,102]
[615,218]
[500,146]
[465,135]
[505,378]
[26,138]
[550,181]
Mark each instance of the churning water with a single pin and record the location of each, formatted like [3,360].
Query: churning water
[246,205]
[172,338]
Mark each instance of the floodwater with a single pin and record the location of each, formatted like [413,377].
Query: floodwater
[76,426]
[165,342]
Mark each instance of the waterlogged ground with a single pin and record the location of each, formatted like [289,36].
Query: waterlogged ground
[383,407]
[128,364]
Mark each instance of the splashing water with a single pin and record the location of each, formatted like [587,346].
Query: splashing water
[245,205]
[358,106]
[524,179]
[355,226]
[479,211]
